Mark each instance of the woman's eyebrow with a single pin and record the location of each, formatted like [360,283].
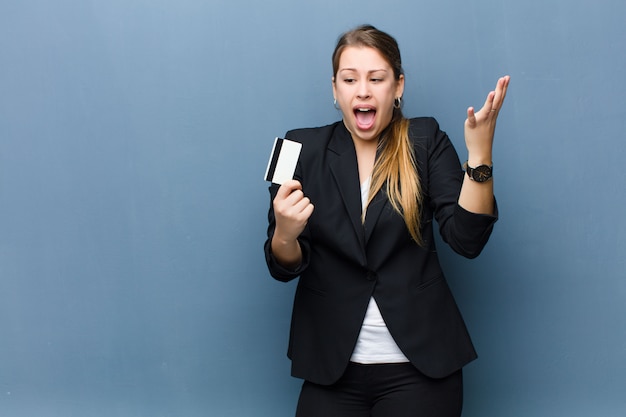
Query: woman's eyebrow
[369,72]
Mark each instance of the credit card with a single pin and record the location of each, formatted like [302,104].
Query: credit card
[283,160]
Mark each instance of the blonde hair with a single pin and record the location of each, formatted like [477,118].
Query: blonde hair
[395,165]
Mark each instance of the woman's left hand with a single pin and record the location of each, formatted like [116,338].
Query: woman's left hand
[480,126]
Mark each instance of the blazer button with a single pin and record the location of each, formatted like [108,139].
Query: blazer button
[371,276]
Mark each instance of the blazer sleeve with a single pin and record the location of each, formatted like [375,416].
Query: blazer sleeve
[467,233]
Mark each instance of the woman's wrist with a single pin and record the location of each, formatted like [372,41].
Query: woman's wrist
[476,159]
[287,252]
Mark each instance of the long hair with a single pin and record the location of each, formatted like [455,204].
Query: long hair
[395,165]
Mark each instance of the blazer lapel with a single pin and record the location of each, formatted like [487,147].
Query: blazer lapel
[343,166]
[373,211]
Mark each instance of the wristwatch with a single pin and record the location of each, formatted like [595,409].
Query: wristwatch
[481,173]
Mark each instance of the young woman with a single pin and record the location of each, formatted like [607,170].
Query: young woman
[375,330]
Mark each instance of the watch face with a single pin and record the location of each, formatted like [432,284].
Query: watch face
[481,173]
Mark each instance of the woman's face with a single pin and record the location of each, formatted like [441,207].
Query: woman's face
[365,89]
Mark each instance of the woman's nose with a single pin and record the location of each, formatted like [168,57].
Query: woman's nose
[363,91]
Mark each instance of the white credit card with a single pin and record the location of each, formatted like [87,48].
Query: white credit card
[283,161]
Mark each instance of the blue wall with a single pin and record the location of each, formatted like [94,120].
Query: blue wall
[133,140]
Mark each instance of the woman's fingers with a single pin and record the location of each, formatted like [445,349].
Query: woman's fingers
[292,208]
[500,93]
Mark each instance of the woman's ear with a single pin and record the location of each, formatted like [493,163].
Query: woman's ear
[400,86]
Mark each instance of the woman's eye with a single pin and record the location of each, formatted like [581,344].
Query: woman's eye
[349,80]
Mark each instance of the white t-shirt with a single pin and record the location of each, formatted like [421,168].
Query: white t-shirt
[375,344]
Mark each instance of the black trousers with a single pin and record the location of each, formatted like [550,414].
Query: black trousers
[385,390]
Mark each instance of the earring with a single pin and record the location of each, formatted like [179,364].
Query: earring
[335,104]
[397,103]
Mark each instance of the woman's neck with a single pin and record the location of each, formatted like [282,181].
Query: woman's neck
[366,156]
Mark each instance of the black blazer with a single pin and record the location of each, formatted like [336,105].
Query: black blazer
[345,262]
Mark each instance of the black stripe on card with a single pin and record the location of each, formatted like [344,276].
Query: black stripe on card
[270,172]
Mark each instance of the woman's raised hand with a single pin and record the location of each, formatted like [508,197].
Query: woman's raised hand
[291,210]
[480,126]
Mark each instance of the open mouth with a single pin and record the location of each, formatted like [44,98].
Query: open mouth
[364,117]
